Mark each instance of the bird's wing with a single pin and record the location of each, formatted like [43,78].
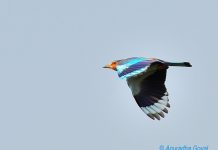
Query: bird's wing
[150,92]
[136,69]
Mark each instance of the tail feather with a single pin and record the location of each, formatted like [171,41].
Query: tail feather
[181,64]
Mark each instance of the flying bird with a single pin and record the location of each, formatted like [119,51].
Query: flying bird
[146,79]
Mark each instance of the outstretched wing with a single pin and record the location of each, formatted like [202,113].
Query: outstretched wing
[149,90]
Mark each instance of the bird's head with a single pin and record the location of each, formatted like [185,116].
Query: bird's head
[112,65]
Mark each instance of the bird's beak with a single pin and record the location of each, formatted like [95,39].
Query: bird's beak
[107,66]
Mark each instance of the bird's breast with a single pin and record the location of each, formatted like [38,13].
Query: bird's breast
[135,85]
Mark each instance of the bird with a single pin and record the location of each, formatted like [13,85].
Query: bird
[146,79]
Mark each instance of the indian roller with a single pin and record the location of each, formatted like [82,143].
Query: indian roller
[146,79]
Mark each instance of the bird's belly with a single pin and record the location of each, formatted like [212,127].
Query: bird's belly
[134,85]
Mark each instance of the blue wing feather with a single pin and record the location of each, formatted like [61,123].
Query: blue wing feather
[134,69]
[134,66]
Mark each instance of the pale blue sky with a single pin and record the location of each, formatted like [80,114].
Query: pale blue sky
[54,95]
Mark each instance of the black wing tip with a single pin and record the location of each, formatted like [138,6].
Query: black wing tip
[151,116]
[165,110]
[156,116]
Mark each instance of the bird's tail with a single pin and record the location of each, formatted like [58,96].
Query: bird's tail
[180,64]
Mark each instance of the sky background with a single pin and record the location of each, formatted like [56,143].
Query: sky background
[54,94]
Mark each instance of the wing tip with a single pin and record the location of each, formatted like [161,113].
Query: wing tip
[154,113]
